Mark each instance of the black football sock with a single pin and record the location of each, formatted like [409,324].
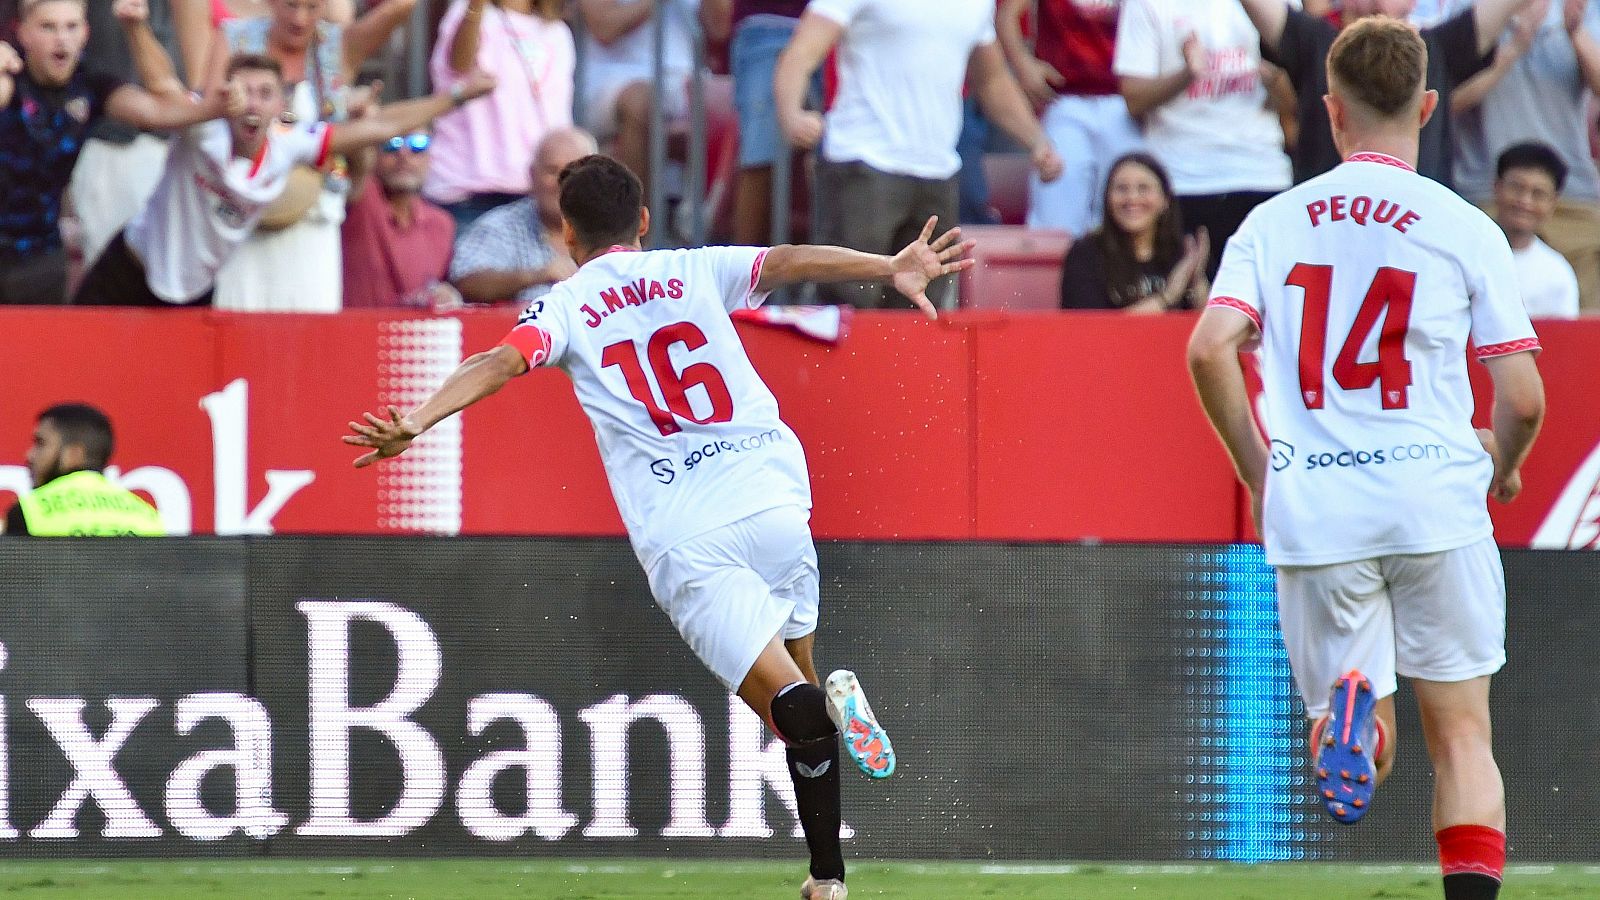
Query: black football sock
[1471,886]
[800,714]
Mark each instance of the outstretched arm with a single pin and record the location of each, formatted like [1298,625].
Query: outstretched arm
[478,376]
[399,118]
[910,270]
[1219,380]
[162,103]
[150,60]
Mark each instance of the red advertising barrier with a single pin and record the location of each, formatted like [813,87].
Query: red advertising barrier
[995,426]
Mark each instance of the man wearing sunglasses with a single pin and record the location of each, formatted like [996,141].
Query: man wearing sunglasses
[222,175]
[396,244]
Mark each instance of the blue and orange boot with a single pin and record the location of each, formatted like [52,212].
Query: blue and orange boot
[864,739]
[1345,745]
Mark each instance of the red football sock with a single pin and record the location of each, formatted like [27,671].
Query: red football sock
[1472,850]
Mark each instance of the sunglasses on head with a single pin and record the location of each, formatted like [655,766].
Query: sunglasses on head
[416,143]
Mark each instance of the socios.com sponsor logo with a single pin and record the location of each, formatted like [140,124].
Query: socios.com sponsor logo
[712,449]
[665,472]
[1282,455]
[1398,453]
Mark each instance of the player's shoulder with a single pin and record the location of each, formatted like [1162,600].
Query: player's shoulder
[1387,193]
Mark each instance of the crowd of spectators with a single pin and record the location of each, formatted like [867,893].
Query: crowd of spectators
[144,157]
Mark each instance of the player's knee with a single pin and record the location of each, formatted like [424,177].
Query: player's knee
[800,714]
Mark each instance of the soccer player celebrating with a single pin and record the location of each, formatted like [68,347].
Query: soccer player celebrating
[711,483]
[1371,492]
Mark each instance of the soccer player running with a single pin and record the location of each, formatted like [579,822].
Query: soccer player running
[711,483]
[1363,286]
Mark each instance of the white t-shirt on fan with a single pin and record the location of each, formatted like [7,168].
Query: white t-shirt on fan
[902,65]
[1549,286]
[1218,135]
[1367,283]
[688,432]
[208,201]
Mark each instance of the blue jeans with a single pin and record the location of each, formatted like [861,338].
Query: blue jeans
[753,57]
[971,145]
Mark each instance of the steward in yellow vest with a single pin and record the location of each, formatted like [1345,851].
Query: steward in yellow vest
[72,497]
[87,504]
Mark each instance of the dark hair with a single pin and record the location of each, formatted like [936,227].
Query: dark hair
[1379,63]
[1533,155]
[84,426]
[254,62]
[602,200]
[1124,277]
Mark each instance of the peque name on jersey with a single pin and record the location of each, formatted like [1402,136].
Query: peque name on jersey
[636,293]
[1363,211]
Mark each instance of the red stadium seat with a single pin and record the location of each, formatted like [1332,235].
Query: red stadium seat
[1007,174]
[1018,268]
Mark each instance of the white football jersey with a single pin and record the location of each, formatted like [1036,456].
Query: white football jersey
[1367,283]
[209,201]
[688,432]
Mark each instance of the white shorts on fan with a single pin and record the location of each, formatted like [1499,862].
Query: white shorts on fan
[1435,616]
[731,590]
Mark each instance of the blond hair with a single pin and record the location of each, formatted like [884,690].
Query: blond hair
[1380,64]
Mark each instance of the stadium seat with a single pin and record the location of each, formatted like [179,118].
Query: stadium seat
[1007,174]
[1018,268]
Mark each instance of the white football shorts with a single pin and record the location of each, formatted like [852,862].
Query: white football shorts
[730,590]
[1434,616]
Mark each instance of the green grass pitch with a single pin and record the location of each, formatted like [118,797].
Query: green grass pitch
[481,879]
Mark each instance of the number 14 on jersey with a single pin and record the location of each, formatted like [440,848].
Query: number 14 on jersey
[1388,296]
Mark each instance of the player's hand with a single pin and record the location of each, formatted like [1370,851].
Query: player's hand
[1255,513]
[1040,81]
[1505,488]
[1047,162]
[921,262]
[802,129]
[387,437]
[1506,485]
[10,61]
[131,12]
[1195,58]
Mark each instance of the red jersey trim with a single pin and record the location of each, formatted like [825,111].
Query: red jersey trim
[531,341]
[1382,159]
[327,146]
[261,157]
[1237,306]
[1522,346]
[755,277]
